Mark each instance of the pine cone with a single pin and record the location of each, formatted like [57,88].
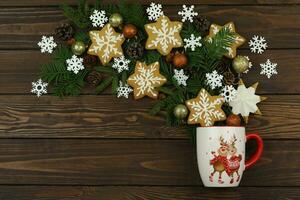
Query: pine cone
[64,31]
[93,78]
[224,65]
[89,61]
[135,50]
[230,78]
[202,24]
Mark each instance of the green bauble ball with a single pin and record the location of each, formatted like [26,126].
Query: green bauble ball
[78,48]
[240,64]
[115,20]
[180,111]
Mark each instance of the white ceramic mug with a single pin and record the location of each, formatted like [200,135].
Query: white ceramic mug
[221,154]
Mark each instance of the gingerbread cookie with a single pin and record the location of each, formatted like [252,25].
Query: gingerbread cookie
[106,44]
[164,35]
[205,109]
[238,40]
[145,79]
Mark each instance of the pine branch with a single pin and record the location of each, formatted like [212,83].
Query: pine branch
[105,69]
[79,16]
[104,85]
[71,86]
[54,72]
[114,84]
[83,37]
[133,13]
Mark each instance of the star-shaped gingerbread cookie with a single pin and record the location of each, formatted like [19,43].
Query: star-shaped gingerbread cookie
[238,40]
[205,109]
[246,100]
[145,80]
[164,35]
[106,44]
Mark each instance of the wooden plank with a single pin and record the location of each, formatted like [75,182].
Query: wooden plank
[19,68]
[146,2]
[110,117]
[22,27]
[131,162]
[144,192]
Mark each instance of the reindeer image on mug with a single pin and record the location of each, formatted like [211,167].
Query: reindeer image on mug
[221,162]
[221,155]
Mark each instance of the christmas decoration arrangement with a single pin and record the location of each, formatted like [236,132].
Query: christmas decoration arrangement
[190,66]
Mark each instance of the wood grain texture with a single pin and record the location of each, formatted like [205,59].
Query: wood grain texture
[110,117]
[146,2]
[144,193]
[21,28]
[19,68]
[131,162]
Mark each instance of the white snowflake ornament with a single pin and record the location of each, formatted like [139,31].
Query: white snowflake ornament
[188,13]
[121,64]
[154,11]
[47,44]
[229,93]
[123,90]
[180,77]
[98,18]
[75,64]
[214,79]
[257,44]
[192,42]
[39,88]
[249,66]
[268,68]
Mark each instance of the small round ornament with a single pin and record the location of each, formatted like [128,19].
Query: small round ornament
[180,60]
[240,64]
[71,41]
[78,48]
[180,111]
[233,120]
[129,31]
[116,20]
[169,57]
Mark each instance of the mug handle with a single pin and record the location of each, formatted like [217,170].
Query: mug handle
[260,146]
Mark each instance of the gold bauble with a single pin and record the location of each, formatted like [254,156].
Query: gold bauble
[180,111]
[240,64]
[78,48]
[115,20]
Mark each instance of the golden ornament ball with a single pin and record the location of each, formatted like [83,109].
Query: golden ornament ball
[180,60]
[78,48]
[180,111]
[240,64]
[233,120]
[129,31]
[115,20]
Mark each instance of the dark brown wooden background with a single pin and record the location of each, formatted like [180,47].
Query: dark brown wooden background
[101,147]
